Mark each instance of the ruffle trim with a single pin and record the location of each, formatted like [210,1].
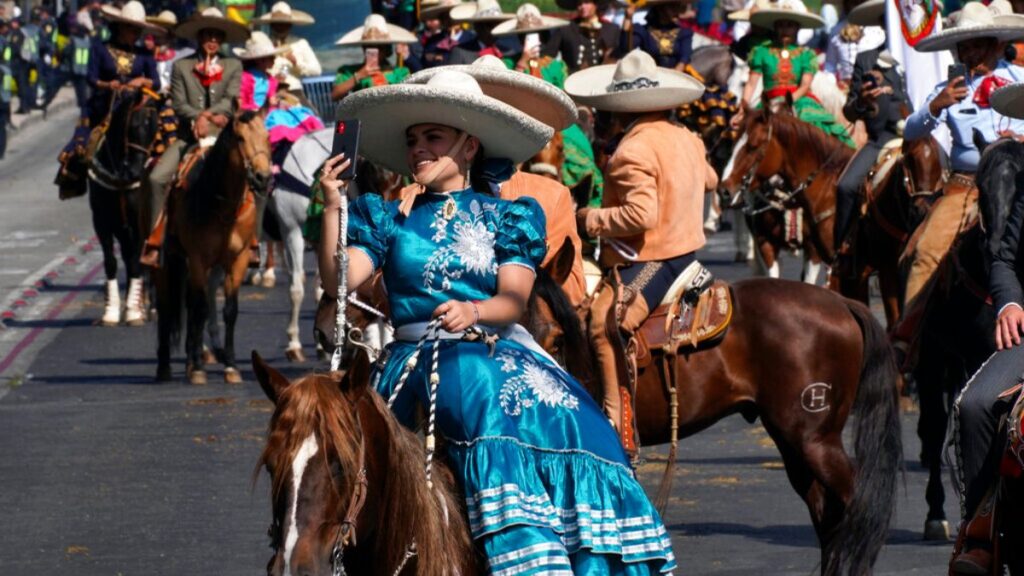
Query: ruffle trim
[591,503]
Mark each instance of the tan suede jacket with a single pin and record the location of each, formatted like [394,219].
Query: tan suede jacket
[654,193]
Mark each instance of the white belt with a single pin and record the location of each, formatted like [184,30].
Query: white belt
[514,332]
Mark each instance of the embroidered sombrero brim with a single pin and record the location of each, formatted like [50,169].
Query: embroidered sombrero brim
[467,12]
[869,13]
[767,17]
[296,18]
[386,112]
[510,27]
[234,32]
[1009,100]
[436,9]
[395,35]
[591,86]
[533,96]
[1003,28]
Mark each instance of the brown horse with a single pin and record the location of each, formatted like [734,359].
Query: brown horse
[212,224]
[548,162]
[348,485]
[892,208]
[803,359]
[776,145]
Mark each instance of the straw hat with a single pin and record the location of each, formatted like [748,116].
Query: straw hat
[528,19]
[133,13]
[767,15]
[634,84]
[450,98]
[166,20]
[212,18]
[976,20]
[436,8]
[282,13]
[482,11]
[376,31]
[533,96]
[1009,100]
[870,13]
[259,45]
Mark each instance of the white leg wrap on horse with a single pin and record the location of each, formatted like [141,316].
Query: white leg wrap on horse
[112,305]
[773,270]
[133,306]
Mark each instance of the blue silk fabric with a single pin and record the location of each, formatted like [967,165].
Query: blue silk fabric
[548,485]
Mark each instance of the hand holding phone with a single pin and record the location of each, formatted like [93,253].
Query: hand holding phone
[372,59]
[346,141]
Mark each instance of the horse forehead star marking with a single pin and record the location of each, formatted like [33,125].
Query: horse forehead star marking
[302,457]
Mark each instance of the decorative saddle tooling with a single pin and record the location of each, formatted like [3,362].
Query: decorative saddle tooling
[694,315]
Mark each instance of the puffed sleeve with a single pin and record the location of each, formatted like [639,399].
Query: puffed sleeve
[370,227]
[520,238]
[756,62]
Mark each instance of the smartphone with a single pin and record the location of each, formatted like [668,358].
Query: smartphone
[346,141]
[956,70]
[531,41]
[373,58]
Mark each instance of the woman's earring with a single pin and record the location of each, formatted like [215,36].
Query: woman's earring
[469,177]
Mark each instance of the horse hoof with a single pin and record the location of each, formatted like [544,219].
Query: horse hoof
[295,355]
[232,376]
[209,357]
[936,530]
[136,323]
[269,279]
[256,279]
[197,377]
[163,374]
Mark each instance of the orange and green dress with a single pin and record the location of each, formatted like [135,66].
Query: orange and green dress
[381,78]
[781,70]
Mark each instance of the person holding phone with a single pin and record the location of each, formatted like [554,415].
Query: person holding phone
[518,430]
[378,39]
[978,39]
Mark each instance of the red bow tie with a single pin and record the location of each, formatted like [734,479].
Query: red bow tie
[490,50]
[990,84]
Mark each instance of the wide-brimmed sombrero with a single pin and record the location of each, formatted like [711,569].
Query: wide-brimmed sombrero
[482,11]
[634,84]
[1009,100]
[376,31]
[450,98]
[133,14]
[768,14]
[212,18]
[533,96]
[527,21]
[743,15]
[436,8]
[166,20]
[976,20]
[870,13]
[283,13]
[258,46]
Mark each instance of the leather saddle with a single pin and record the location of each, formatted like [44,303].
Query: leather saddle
[694,315]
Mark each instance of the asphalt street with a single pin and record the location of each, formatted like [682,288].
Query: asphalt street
[103,472]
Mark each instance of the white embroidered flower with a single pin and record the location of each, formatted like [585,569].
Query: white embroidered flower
[532,386]
[473,243]
[547,388]
[470,246]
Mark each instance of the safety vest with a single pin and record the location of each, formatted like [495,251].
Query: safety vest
[80,56]
[6,85]
[6,53]
[30,47]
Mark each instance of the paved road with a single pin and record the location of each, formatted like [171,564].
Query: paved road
[104,472]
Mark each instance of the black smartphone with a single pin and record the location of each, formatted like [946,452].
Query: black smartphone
[346,140]
[956,70]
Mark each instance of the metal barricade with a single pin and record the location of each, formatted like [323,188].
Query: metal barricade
[318,92]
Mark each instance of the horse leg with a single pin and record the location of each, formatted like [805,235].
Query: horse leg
[812,267]
[931,429]
[213,350]
[769,259]
[197,312]
[269,275]
[889,285]
[104,221]
[232,281]
[130,240]
[294,247]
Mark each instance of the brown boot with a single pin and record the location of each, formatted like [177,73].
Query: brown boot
[973,553]
[151,251]
[973,562]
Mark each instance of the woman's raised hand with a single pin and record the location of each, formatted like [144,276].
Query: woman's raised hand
[331,185]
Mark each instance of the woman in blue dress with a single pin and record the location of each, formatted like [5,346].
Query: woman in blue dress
[548,487]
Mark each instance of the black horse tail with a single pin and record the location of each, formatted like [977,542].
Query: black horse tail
[878,449]
[171,297]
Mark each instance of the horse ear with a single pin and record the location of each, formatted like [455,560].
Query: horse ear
[272,381]
[560,266]
[581,191]
[979,141]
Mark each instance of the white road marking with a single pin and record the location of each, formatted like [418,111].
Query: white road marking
[30,280]
[302,457]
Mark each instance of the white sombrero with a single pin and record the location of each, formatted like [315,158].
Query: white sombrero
[634,84]
[1009,100]
[450,98]
[133,14]
[282,13]
[376,31]
[768,14]
[436,8]
[166,20]
[528,20]
[870,13]
[482,11]
[744,14]
[212,18]
[533,96]
[976,20]
[259,45]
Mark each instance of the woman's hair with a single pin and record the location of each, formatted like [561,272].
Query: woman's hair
[476,172]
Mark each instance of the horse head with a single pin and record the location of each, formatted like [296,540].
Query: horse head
[120,160]
[140,132]
[348,484]
[253,142]
[549,160]
[757,157]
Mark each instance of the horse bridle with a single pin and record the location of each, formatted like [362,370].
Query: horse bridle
[346,535]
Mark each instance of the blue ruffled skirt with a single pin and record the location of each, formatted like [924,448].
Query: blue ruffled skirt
[548,487]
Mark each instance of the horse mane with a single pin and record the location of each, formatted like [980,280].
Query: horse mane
[316,405]
[831,153]
[714,63]
[579,361]
[205,190]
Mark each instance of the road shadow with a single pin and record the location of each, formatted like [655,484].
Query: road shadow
[785,534]
[67,323]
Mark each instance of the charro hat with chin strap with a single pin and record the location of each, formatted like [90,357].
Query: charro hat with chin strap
[133,14]
[212,18]
[635,84]
[976,20]
[376,31]
[768,14]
